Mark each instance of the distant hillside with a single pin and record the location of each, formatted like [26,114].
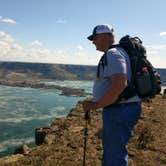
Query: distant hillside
[53,71]
[163,76]
[48,71]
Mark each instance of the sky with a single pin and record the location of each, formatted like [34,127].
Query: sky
[55,31]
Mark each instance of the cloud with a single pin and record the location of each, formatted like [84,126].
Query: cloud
[80,48]
[61,21]
[6,37]
[2,33]
[3,45]
[162,33]
[7,20]
[160,47]
[17,47]
[39,52]
[157,55]
[12,51]
[36,43]
[4,49]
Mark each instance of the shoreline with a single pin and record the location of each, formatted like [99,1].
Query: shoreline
[67,91]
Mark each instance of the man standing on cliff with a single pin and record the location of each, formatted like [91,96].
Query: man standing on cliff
[119,118]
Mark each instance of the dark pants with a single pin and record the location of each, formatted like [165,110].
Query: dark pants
[118,122]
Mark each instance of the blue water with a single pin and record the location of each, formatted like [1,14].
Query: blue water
[24,109]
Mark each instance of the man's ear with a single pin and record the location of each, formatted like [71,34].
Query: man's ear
[112,37]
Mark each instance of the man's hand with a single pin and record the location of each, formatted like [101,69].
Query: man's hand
[89,105]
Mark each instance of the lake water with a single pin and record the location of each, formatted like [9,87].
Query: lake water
[24,109]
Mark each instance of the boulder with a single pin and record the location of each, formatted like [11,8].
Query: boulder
[23,149]
[40,134]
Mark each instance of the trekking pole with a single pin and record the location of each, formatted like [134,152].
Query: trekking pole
[87,121]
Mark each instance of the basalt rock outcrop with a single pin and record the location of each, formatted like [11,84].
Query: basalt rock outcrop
[37,85]
[61,143]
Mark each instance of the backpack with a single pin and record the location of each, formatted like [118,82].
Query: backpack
[145,80]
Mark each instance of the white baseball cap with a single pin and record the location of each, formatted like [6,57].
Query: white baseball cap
[99,29]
